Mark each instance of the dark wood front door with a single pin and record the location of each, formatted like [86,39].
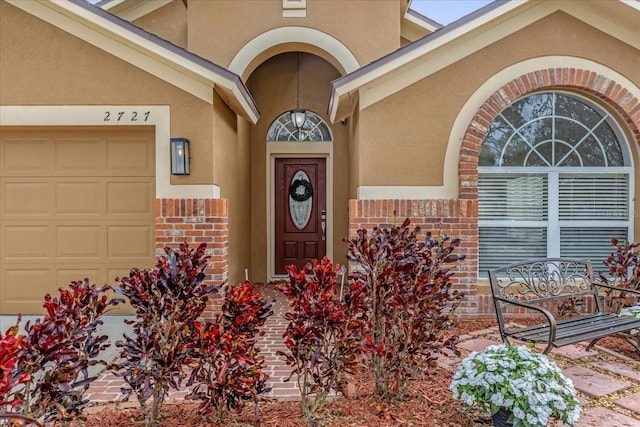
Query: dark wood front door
[300,212]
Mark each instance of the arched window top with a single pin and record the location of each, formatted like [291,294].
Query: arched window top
[314,129]
[553,129]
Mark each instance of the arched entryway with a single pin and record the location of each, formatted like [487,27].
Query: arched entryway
[283,155]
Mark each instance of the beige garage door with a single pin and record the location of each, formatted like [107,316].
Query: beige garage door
[74,203]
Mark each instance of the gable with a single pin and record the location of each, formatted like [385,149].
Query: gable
[158,57]
[390,74]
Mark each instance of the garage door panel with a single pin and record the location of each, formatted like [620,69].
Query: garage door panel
[24,288]
[80,198]
[131,242]
[64,276]
[75,202]
[80,242]
[83,157]
[33,156]
[130,157]
[32,198]
[129,198]
[23,242]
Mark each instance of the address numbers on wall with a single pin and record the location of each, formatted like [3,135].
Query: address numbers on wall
[127,116]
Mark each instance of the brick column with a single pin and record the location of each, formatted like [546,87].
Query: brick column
[457,218]
[196,221]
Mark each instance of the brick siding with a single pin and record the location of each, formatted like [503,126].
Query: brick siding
[196,221]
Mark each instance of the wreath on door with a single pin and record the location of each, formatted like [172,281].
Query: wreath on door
[300,196]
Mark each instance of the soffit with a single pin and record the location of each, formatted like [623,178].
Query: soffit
[411,63]
[130,10]
[142,49]
[414,25]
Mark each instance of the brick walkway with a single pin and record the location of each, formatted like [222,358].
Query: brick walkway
[608,383]
[107,387]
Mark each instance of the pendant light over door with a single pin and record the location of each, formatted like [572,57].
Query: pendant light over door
[298,115]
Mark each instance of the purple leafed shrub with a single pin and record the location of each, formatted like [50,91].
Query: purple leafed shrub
[407,282]
[57,352]
[227,367]
[324,335]
[623,271]
[168,300]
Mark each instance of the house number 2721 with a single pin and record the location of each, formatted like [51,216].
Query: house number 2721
[126,116]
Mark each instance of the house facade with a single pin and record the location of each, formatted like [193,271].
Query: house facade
[515,128]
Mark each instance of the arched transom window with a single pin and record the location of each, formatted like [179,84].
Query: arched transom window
[314,129]
[554,180]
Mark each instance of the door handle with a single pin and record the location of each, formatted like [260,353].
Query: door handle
[323,223]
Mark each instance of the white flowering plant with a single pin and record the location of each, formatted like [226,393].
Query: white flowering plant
[633,311]
[527,384]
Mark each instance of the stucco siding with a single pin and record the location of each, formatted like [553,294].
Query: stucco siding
[219,29]
[417,121]
[42,65]
[168,22]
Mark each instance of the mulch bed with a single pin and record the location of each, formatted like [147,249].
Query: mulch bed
[428,403]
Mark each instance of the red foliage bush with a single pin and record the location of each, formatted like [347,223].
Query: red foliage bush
[324,334]
[407,283]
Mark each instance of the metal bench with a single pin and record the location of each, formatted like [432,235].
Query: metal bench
[543,285]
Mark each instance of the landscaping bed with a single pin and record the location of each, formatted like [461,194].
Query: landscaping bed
[429,403]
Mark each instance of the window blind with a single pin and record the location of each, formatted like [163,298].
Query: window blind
[503,245]
[594,197]
[512,197]
[593,244]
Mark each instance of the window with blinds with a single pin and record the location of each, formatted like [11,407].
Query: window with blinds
[554,180]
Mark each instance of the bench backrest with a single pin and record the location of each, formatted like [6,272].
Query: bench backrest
[543,279]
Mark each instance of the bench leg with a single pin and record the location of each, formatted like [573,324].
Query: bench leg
[592,343]
[626,337]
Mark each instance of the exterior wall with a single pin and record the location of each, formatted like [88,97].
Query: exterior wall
[417,121]
[46,67]
[169,22]
[232,158]
[458,217]
[219,29]
[61,69]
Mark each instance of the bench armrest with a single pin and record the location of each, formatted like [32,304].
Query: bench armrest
[617,288]
[550,319]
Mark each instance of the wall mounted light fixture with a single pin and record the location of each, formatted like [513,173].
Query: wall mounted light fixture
[298,115]
[180,156]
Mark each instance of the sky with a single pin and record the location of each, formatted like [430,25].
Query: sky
[446,11]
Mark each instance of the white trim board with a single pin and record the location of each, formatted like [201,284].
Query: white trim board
[95,115]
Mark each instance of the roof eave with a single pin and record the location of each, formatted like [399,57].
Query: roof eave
[381,69]
[131,10]
[142,49]
[352,82]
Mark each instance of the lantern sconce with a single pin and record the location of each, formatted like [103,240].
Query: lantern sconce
[179,156]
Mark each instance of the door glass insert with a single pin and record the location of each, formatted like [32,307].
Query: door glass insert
[300,199]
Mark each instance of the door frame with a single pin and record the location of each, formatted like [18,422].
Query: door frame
[292,150]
